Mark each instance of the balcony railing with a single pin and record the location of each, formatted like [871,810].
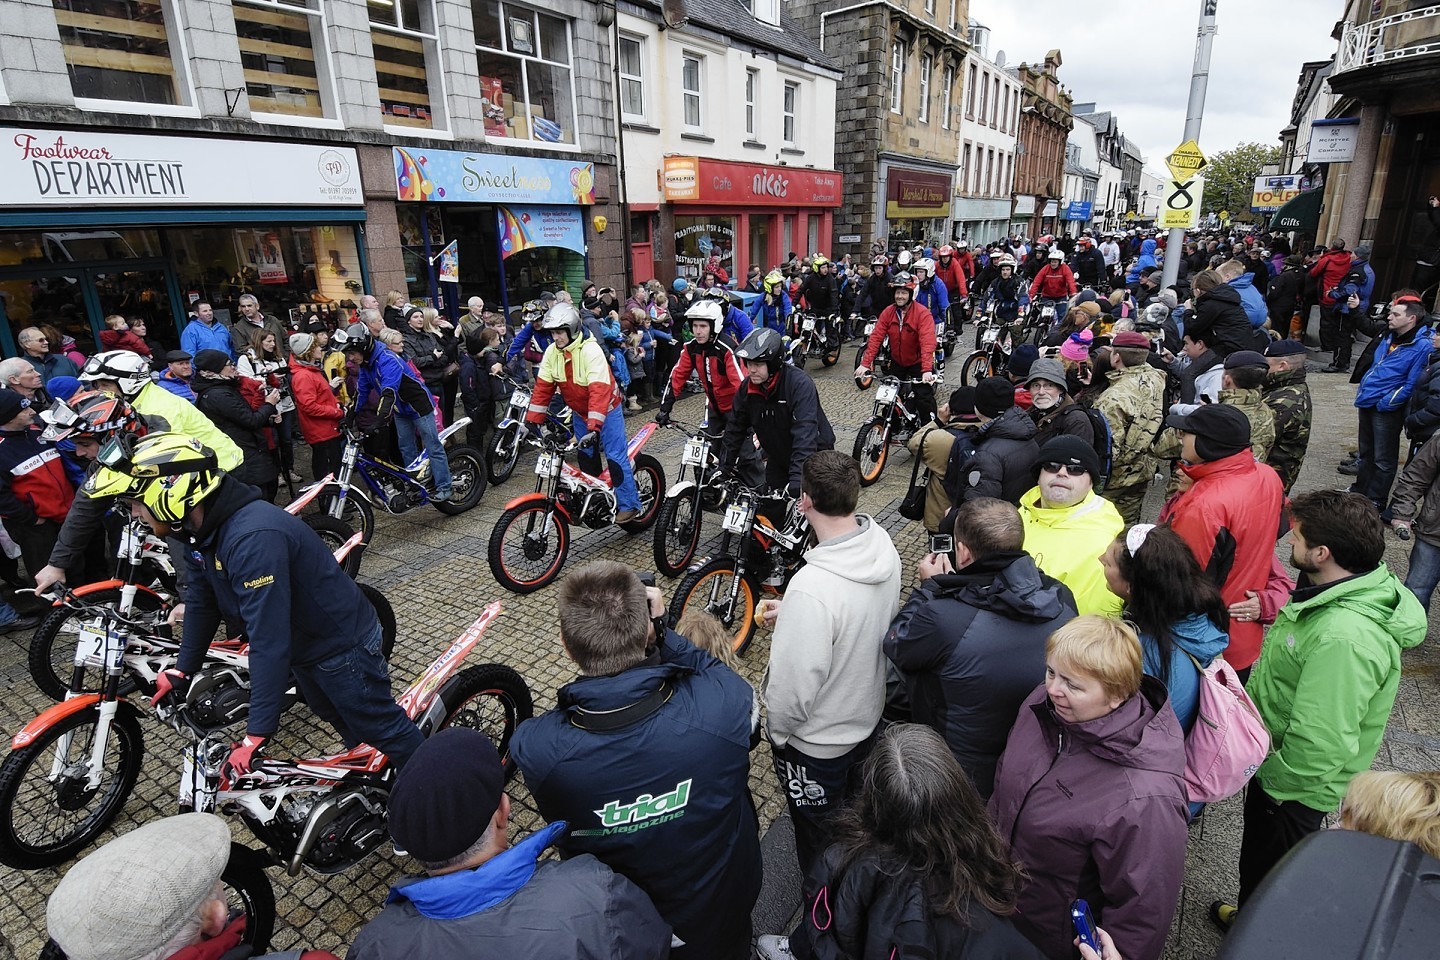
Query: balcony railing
[1403,36]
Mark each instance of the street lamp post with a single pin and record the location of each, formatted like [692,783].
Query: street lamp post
[1194,114]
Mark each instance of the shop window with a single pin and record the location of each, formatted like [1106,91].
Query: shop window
[897,76]
[927,65]
[948,79]
[752,90]
[120,50]
[282,49]
[697,239]
[790,106]
[632,78]
[525,64]
[692,67]
[402,37]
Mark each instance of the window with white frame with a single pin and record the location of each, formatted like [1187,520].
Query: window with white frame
[897,76]
[965,169]
[989,171]
[283,52]
[766,11]
[526,72]
[1005,113]
[954,15]
[402,36]
[927,65]
[692,67]
[984,95]
[790,107]
[121,50]
[752,93]
[970,94]
[632,77]
[930,6]
[947,78]
[995,103]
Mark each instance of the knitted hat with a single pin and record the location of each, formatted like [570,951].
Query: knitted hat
[1090,307]
[993,396]
[62,388]
[300,343]
[211,361]
[1022,358]
[1070,449]
[133,895]
[1077,346]
[446,795]
[11,403]
[1047,369]
[962,405]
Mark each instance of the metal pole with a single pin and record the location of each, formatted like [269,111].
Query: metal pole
[1194,113]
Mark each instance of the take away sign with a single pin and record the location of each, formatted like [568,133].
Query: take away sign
[1186,160]
[1181,206]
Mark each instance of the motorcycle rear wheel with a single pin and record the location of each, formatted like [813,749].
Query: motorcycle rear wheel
[503,453]
[336,533]
[649,478]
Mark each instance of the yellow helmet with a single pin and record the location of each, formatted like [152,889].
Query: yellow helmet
[168,472]
[818,262]
[773,280]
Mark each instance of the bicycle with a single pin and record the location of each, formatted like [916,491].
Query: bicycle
[531,538]
[697,488]
[893,421]
[729,585]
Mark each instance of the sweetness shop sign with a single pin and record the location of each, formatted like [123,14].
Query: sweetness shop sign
[457,176]
[70,167]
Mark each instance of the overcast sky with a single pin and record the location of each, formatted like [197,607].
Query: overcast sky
[1134,59]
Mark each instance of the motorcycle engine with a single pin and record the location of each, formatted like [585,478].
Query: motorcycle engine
[219,696]
[342,829]
[595,511]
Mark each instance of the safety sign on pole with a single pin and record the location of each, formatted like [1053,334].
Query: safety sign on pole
[1180,209]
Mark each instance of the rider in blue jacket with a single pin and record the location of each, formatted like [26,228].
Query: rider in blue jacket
[773,308]
[382,370]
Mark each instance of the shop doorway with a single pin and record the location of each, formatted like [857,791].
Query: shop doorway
[75,299]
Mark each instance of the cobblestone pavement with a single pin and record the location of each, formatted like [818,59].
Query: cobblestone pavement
[434,571]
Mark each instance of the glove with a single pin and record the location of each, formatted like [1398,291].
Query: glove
[663,417]
[536,430]
[243,755]
[590,441]
[170,688]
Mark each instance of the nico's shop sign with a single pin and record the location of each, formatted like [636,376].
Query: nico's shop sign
[697,180]
[910,194]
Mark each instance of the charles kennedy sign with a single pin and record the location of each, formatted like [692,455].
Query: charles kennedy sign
[70,167]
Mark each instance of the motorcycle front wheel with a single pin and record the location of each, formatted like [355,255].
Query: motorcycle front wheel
[467,480]
[52,648]
[45,819]
[677,532]
[708,587]
[491,698]
[528,546]
[504,451]
[872,450]
[975,369]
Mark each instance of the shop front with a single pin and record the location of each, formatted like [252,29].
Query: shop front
[96,223]
[917,205]
[979,221]
[738,214]
[518,224]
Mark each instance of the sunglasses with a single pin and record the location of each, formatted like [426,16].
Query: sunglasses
[1069,469]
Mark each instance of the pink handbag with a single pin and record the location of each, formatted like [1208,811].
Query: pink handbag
[1228,742]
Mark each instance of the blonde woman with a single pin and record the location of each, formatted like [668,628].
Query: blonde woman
[444,333]
[1399,804]
[267,362]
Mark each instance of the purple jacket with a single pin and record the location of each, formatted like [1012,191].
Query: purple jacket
[1096,810]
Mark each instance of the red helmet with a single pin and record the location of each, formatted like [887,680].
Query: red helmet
[946,251]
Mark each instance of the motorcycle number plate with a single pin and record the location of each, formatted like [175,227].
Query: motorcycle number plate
[546,464]
[869,328]
[734,518]
[989,337]
[519,400]
[695,453]
[90,648]
[808,324]
[1048,312]
[886,393]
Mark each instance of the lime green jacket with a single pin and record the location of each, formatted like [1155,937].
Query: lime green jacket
[1326,681]
[1067,543]
[163,410]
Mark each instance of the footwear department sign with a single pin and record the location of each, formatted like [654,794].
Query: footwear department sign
[45,167]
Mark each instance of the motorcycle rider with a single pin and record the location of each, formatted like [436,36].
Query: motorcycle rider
[714,364]
[821,292]
[1110,250]
[875,294]
[773,308]
[911,330]
[1054,283]
[951,271]
[737,323]
[966,259]
[1089,264]
[1008,293]
[577,366]
[268,574]
[780,404]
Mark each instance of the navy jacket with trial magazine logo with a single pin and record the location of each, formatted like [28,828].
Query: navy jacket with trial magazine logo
[664,801]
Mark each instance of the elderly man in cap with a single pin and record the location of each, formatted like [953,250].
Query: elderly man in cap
[155,892]
[1132,404]
[1054,413]
[1229,515]
[176,376]
[1288,396]
[1244,372]
[449,810]
[1068,526]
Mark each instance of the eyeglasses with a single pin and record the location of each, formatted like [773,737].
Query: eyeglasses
[1069,469]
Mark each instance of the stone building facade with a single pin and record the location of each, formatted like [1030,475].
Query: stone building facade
[897,114]
[1045,124]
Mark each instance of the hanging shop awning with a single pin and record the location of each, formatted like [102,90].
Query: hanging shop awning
[1300,213]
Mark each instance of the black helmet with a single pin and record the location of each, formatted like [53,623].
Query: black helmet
[763,346]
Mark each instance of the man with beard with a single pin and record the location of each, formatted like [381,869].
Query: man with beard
[1054,413]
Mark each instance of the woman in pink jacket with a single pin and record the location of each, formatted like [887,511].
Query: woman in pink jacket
[1090,794]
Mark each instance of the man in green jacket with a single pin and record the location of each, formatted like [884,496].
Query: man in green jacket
[1326,678]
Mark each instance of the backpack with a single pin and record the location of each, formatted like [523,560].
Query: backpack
[1104,444]
[1229,740]
[961,452]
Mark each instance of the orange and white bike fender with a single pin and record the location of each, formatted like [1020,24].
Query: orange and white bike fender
[309,493]
[531,498]
[99,585]
[56,712]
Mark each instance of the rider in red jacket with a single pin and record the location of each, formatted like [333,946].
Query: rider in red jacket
[951,271]
[1055,281]
[911,330]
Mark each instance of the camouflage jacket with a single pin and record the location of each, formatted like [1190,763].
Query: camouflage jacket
[1133,405]
[1288,397]
[1262,430]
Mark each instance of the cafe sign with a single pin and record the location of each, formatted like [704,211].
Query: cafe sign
[724,182]
[46,167]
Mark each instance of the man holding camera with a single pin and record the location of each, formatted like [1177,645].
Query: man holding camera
[826,685]
[970,641]
[647,757]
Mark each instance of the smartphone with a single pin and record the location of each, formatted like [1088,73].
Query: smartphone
[942,544]
[1084,925]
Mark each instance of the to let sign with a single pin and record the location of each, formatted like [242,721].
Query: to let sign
[697,180]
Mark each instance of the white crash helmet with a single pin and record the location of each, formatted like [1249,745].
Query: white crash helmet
[127,368]
[1056,254]
[902,259]
[926,264]
[708,311]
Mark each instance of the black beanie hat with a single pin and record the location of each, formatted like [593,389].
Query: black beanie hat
[1070,449]
[993,396]
[446,795]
